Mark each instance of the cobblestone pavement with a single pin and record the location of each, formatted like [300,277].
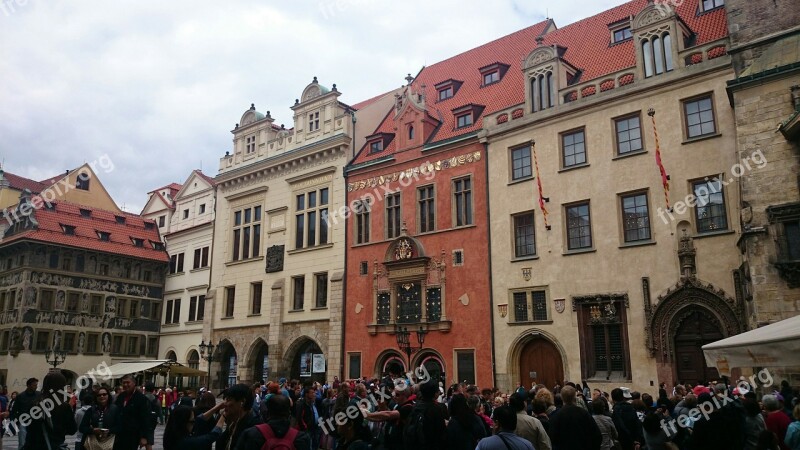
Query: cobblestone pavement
[10,442]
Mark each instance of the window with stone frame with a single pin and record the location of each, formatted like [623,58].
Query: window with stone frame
[361,209]
[462,198]
[321,290]
[426,209]
[91,342]
[657,54]
[250,144]
[246,233]
[635,217]
[521,163]
[628,132]
[708,5]
[298,292]
[573,148]
[710,211]
[393,215]
[524,235]
[579,226]
[311,218]
[46,300]
[603,333]
[42,340]
[230,300]
[255,298]
[530,305]
[542,91]
[699,116]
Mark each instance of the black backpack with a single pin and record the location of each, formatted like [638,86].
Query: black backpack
[413,431]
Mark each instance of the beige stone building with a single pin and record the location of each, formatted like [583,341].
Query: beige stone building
[278,260]
[185,216]
[765,95]
[599,280]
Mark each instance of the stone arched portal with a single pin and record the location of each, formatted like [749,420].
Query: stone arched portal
[690,314]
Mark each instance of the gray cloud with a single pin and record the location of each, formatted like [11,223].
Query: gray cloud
[158,85]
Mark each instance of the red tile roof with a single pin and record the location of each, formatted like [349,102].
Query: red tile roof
[208,179]
[86,228]
[22,183]
[588,48]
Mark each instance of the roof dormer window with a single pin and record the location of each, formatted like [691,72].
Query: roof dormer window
[137,242]
[313,121]
[82,181]
[86,212]
[657,54]
[120,220]
[379,142]
[621,34]
[157,245]
[104,236]
[708,5]
[464,120]
[68,230]
[447,89]
[376,147]
[250,144]
[493,73]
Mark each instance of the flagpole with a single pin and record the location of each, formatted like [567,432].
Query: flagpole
[664,177]
[542,198]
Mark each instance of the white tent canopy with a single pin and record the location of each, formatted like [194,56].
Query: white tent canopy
[155,365]
[775,345]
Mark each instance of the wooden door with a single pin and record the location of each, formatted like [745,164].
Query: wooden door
[543,358]
[694,332]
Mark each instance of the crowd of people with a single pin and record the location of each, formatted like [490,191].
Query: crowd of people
[398,413]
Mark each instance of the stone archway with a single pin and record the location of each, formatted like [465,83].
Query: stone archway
[299,360]
[227,361]
[536,351]
[257,360]
[715,315]
[433,363]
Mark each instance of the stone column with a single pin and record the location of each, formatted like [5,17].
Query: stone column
[276,330]
[334,357]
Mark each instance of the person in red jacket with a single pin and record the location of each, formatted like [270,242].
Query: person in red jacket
[777,421]
[165,399]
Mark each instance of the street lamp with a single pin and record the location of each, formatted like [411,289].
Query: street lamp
[58,357]
[404,342]
[207,352]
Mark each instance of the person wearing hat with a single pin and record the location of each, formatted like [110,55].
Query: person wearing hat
[625,419]
[25,401]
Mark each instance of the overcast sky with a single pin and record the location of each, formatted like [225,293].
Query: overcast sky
[158,85]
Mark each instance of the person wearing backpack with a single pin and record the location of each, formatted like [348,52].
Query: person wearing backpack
[426,428]
[307,414]
[276,433]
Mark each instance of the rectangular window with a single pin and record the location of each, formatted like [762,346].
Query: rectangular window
[155,311]
[710,208]
[699,117]
[176,311]
[530,305]
[427,209]
[96,307]
[45,300]
[579,227]
[363,268]
[152,346]
[202,209]
[629,135]
[622,34]
[133,309]
[161,221]
[204,257]
[524,235]
[91,343]
[491,77]
[230,298]
[465,361]
[116,346]
[176,263]
[73,299]
[462,197]
[445,93]
[313,121]
[573,148]
[521,163]
[196,259]
[298,292]
[42,341]
[789,243]
[192,309]
[311,218]
[520,306]
[250,144]
[393,215]
[603,335]
[133,345]
[185,213]
[464,120]
[246,234]
[68,344]
[354,365]
[635,217]
[711,4]
[201,307]
[5,340]
[321,291]
[255,300]
[362,210]
[376,146]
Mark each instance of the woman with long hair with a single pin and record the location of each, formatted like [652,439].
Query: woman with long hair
[179,432]
[51,430]
[206,416]
[465,428]
[98,421]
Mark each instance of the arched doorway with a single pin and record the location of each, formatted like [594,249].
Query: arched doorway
[194,363]
[260,362]
[540,361]
[303,363]
[696,329]
[390,363]
[228,365]
[174,380]
[433,365]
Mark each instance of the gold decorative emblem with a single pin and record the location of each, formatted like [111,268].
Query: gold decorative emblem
[560,304]
[403,250]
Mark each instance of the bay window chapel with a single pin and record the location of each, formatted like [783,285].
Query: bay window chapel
[659,38]
[546,73]
[409,288]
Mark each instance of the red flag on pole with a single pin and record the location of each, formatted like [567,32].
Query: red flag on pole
[659,163]
[542,198]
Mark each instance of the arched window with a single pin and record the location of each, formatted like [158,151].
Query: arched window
[534,95]
[551,89]
[647,55]
[658,55]
[194,363]
[542,92]
[668,52]
[411,132]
